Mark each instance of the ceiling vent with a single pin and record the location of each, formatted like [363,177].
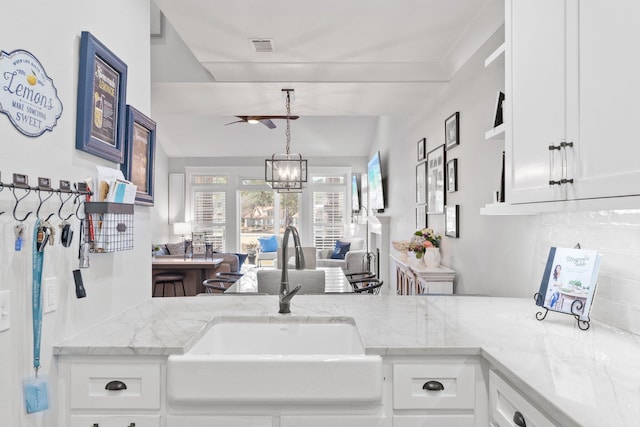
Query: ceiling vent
[262,45]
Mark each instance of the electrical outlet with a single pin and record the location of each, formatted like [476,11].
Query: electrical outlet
[5,310]
[50,295]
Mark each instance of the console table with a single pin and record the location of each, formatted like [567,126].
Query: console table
[414,278]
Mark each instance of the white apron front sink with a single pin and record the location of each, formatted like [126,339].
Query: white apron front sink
[276,360]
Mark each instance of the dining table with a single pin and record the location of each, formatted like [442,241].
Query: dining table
[199,265]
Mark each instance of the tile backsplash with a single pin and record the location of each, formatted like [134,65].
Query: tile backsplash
[615,234]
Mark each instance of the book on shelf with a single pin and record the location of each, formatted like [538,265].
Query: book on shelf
[569,281]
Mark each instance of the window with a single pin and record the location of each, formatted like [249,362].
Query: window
[328,210]
[256,216]
[233,207]
[209,209]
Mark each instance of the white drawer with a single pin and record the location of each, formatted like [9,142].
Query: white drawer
[333,421]
[410,386]
[115,421]
[462,420]
[88,386]
[219,421]
[505,401]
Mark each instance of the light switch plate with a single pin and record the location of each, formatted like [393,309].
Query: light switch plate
[5,310]
[50,295]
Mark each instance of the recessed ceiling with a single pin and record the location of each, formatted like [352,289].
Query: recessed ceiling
[348,61]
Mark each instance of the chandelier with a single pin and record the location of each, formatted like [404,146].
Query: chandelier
[286,172]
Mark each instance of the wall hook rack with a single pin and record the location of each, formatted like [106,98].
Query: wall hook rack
[18,200]
[51,193]
[21,182]
[62,203]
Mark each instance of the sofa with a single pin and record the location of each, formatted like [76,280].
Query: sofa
[353,260]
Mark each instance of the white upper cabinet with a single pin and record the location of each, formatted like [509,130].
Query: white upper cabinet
[607,147]
[572,99]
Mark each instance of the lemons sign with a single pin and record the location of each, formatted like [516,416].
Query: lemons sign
[27,94]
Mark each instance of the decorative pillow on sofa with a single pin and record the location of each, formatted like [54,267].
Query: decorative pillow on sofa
[159,250]
[340,250]
[175,248]
[268,244]
[241,258]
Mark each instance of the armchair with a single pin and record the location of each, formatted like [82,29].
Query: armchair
[309,253]
[353,259]
[267,251]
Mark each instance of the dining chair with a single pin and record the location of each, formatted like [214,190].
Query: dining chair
[367,286]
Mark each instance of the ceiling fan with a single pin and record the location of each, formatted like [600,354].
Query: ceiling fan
[265,120]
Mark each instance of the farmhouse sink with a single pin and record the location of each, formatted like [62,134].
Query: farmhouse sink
[276,360]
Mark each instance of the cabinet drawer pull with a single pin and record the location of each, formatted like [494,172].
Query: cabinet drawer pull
[115,385]
[518,419]
[433,386]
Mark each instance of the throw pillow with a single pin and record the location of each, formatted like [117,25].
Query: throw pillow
[241,258]
[340,250]
[160,250]
[175,248]
[268,244]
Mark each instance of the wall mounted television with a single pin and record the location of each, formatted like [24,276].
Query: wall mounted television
[374,177]
[355,194]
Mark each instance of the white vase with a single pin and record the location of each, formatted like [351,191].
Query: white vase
[431,257]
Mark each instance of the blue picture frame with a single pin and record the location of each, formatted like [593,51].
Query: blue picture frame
[139,162]
[102,89]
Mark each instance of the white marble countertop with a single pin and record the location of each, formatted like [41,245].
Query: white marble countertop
[581,378]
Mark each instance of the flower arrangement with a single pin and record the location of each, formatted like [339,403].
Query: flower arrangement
[423,239]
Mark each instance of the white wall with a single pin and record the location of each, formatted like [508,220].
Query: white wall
[503,255]
[483,256]
[51,32]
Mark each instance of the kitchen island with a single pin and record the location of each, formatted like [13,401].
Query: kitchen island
[577,378]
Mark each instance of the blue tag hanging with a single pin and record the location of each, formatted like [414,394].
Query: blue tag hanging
[35,389]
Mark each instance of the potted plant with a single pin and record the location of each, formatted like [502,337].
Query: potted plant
[425,244]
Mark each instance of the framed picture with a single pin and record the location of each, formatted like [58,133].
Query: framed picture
[451,221]
[435,180]
[421,217]
[452,175]
[452,130]
[422,146]
[421,179]
[498,116]
[102,86]
[141,147]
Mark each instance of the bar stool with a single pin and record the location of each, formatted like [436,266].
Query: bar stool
[169,277]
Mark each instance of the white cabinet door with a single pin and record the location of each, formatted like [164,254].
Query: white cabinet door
[508,408]
[607,146]
[574,81]
[536,103]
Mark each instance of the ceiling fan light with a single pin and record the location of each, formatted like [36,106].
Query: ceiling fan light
[253,121]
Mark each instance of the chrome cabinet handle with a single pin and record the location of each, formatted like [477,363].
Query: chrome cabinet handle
[552,156]
[433,386]
[115,385]
[518,419]
[565,166]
